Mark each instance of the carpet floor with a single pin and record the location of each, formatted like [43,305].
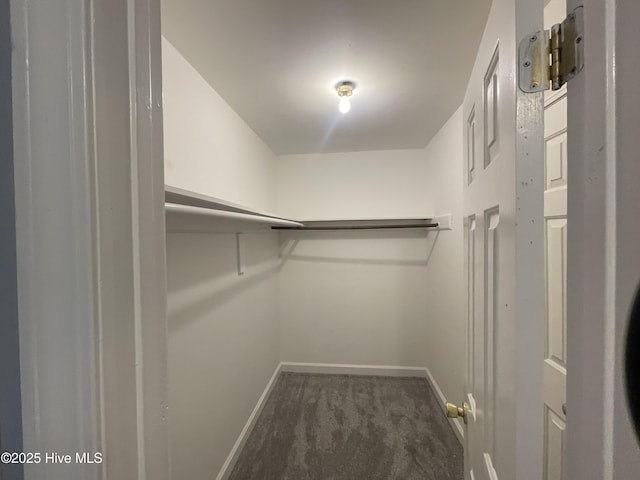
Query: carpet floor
[344,427]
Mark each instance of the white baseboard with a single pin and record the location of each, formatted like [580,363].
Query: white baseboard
[342,369]
[457,424]
[232,458]
[330,368]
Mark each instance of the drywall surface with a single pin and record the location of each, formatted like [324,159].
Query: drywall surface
[376,298]
[223,327]
[223,343]
[443,329]
[353,298]
[208,148]
[352,185]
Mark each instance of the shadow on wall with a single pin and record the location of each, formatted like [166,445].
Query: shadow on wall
[290,241]
[203,268]
[203,272]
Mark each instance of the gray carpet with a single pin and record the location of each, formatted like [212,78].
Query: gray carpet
[343,427]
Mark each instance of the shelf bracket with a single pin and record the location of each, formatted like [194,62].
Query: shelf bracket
[445,222]
[240,254]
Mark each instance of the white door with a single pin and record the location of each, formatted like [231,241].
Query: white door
[483,252]
[604,237]
[555,245]
[503,209]
[602,264]
[484,238]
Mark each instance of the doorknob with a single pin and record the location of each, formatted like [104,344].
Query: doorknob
[453,411]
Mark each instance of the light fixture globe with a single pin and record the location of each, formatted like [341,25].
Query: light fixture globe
[345,90]
[345,105]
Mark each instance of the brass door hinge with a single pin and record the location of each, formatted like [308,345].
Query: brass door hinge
[549,59]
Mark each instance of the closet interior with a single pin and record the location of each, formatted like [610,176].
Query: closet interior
[295,260]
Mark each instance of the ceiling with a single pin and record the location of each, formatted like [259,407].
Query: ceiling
[276,62]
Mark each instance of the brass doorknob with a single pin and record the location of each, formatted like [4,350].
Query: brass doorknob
[454,411]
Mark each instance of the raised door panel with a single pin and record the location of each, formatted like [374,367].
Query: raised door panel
[556,274]
[556,161]
[491,288]
[554,432]
[491,120]
[470,254]
[471,145]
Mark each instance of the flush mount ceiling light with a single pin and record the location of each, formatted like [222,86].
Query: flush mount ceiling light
[345,90]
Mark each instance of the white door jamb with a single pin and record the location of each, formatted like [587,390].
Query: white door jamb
[90,235]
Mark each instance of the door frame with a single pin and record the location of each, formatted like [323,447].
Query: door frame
[529,260]
[603,260]
[598,263]
[89,194]
[10,399]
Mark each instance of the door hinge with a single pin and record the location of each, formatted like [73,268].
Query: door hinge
[549,59]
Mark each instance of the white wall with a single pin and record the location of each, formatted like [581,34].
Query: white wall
[223,344]
[443,331]
[208,148]
[359,184]
[352,297]
[223,328]
[380,298]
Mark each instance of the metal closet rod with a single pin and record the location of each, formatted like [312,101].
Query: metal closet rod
[362,227]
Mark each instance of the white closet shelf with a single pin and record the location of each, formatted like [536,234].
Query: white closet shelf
[403,218]
[191,212]
[181,196]
[365,224]
[190,219]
